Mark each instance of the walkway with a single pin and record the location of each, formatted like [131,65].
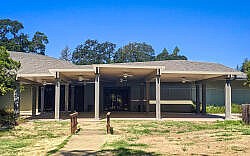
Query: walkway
[87,142]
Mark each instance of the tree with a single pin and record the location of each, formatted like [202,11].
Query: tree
[93,52]
[176,51]
[66,54]
[134,52]
[246,69]
[108,50]
[8,71]
[38,43]
[14,40]
[163,55]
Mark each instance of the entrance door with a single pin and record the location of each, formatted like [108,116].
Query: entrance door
[116,99]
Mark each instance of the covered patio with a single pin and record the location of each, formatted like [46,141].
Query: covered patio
[99,78]
[155,88]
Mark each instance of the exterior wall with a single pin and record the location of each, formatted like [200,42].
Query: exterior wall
[25,100]
[215,92]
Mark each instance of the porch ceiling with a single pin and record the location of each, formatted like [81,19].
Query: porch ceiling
[77,75]
[110,73]
[185,77]
[37,79]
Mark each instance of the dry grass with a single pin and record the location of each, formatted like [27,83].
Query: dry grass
[33,138]
[177,138]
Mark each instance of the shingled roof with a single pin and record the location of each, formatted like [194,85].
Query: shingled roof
[32,63]
[184,65]
[39,64]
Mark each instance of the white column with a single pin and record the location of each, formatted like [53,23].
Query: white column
[147,95]
[158,95]
[228,99]
[97,94]
[37,99]
[42,98]
[66,97]
[72,99]
[57,99]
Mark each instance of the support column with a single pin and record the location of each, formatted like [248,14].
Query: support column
[42,98]
[97,94]
[57,99]
[37,99]
[228,99]
[16,97]
[158,95]
[147,95]
[66,98]
[72,99]
[197,101]
[33,95]
[204,98]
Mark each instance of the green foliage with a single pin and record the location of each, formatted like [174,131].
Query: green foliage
[7,118]
[164,55]
[236,108]
[37,45]
[134,52]
[8,71]
[246,69]
[13,39]
[93,52]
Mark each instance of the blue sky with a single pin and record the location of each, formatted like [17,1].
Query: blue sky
[204,30]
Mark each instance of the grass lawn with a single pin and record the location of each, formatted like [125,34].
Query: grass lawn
[34,138]
[215,109]
[132,138]
[177,138]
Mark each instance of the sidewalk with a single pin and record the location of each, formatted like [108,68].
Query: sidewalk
[87,142]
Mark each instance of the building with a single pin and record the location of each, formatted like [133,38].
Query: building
[157,86]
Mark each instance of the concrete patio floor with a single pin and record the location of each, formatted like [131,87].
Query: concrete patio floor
[140,116]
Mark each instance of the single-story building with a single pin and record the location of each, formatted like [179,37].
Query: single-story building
[49,84]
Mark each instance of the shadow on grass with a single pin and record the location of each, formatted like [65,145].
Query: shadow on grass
[117,152]
[125,151]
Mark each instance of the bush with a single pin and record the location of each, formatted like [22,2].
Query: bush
[236,108]
[7,118]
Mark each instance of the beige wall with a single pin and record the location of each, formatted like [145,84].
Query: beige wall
[25,100]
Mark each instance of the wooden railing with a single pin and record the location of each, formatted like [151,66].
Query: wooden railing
[108,123]
[73,123]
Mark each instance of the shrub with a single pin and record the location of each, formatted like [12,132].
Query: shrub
[7,118]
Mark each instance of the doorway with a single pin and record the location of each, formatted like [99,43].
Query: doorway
[116,99]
